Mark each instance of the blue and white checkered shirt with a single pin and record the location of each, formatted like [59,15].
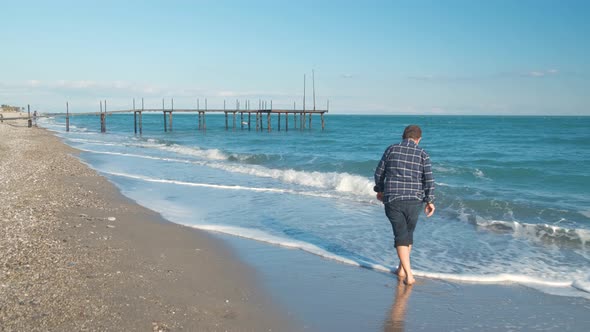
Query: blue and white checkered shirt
[405,173]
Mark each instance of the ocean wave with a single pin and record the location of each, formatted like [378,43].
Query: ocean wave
[583,285]
[210,154]
[538,232]
[92,142]
[478,173]
[219,186]
[340,182]
[132,155]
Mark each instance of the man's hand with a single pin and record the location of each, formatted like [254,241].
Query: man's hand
[380,196]
[429,209]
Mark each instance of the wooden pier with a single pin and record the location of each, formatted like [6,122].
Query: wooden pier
[302,118]
[263,109]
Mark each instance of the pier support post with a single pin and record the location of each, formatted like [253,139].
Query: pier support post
[67,117]
[104,118]
[257,122]
[268,121]
[137,116]
[170,124]
[141,118]
[287,121]
[302,118]
[242,120]
[134,118]
[249,114]
[164,114]
[226,125]
[199,120]
[310,120]
[234,118]
[323,123]
[103,124]
[30,122]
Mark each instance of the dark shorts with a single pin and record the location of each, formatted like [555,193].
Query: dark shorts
[403,216]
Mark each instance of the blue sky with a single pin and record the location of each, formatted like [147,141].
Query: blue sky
[369,57]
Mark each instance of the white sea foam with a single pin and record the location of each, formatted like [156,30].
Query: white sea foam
[211,154]
[262,236]
[92,142]
[340,182]
[564,288]
[219,186]
[538,232]
[132,155]
[583,285]
[478,173]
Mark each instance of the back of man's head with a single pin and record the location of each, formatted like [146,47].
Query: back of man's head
[412,131]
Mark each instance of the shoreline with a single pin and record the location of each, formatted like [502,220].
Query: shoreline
[78,255]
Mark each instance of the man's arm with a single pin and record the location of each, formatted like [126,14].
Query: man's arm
[428,185]
[380,173]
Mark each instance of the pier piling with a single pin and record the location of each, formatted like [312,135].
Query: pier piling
[67,117]
[29,121]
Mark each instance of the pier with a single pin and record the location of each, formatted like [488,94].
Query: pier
[262,116]
[263,109]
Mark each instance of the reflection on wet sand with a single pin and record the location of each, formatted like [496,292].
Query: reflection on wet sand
[398,310]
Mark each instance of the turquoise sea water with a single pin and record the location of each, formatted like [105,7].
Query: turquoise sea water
[513,203]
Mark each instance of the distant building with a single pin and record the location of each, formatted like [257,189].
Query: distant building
[8,108]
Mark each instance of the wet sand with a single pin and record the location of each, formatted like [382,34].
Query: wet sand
[77,255]
[330,296]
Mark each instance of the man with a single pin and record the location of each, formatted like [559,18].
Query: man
[403,182]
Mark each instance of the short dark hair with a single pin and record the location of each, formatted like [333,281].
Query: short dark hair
[412,131]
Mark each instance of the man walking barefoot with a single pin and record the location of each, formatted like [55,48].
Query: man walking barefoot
[403,182]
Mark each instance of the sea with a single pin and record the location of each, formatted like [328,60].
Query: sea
[512,197]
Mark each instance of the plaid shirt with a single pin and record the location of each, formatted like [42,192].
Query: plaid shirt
[405,173]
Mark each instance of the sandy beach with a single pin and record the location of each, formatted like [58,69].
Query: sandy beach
[77,255]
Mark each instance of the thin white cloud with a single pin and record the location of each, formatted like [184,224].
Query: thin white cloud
[422,77]
[513,74]
[536,74]
[541,73]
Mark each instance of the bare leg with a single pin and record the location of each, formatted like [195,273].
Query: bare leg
[400,269]
[404,256]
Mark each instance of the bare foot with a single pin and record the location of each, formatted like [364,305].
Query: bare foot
[400,272]
[410,280]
